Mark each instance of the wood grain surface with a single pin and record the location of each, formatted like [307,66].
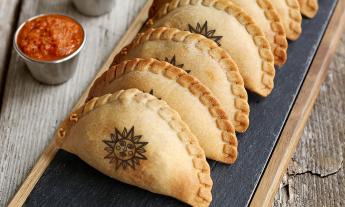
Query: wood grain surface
[316,174]
[25,127]
[293,129]
[8,20]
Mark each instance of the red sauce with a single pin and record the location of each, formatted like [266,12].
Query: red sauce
[50,37]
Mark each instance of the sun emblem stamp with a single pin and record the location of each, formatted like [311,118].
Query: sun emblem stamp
[204,30]
[125,149]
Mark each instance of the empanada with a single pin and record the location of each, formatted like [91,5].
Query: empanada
[268,19]
[264,15]
[184,93]
[290,14]
[309,8]
[199,57]
[137,139]
[232,29]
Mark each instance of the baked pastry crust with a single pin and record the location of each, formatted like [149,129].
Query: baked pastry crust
[233,29]
[182,92]
[109,135]
[309,8]
[201,58]
[290,14]
[264,14]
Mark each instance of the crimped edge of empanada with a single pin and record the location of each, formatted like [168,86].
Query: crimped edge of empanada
[309,8]
[215,52]
[295,20]
[280,41]
[192,145]
[268,70]
[185,80]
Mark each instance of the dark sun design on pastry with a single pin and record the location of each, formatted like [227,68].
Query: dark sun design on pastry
[204,30]
[125,149]
[172,61]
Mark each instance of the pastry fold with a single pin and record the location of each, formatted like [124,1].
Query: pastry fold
[184,93]
[309,8]
[139,140]
[232,29]
[290,13]
[201,58]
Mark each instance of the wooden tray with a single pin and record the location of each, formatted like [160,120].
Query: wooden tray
[264,150]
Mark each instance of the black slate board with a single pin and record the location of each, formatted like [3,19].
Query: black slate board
[68,181]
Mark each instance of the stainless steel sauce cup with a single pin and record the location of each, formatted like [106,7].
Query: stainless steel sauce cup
[94,7]
[55,71]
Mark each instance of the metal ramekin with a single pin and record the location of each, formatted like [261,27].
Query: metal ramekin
[94,7]
[55,71]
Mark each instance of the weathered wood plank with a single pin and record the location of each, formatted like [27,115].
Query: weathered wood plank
[8,18]
[25,128]
[284,149]
[316,174]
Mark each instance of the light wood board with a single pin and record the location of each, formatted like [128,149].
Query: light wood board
[316,173]
[291,134]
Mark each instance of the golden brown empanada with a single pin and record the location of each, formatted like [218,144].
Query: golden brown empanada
[268,19]
[135,138]
[232,29]
[184,93]
[290,14]
[265,16]
[309,8]
[199,57]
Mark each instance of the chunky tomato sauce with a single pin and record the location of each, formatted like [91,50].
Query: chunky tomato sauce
[50,37]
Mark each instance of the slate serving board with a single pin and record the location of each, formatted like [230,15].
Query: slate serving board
[68,181]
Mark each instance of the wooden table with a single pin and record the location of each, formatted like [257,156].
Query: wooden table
[30,112]
[316,174]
